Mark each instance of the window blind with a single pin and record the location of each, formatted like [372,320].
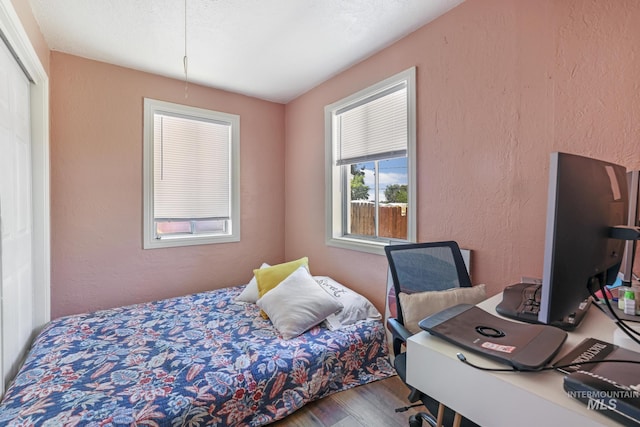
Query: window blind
[374,128]
[191,168]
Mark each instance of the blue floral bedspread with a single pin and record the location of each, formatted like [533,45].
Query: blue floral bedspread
[196,360]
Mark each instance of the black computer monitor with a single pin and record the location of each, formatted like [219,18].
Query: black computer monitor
[633,219]
[586,197]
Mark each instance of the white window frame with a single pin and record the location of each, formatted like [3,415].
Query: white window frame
[150,241]
[334,200]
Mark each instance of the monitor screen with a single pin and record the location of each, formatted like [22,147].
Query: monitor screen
[586,197]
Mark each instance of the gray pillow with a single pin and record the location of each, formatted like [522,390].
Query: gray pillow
[355,306]
[297,304]
[250,292]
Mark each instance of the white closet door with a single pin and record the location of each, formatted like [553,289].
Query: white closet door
[16,224]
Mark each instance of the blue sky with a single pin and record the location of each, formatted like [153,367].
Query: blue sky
[392,171]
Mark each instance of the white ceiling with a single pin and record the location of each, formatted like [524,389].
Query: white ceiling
[270,49]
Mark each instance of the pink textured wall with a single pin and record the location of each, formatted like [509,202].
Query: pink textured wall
[96,190]
[501,84]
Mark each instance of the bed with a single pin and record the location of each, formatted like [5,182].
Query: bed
[195,360]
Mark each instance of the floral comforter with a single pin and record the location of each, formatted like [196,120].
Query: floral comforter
[196,360]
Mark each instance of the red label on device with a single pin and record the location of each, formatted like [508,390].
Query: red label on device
[498,347]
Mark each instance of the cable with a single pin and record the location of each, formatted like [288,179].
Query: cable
[628,330]
[464,360]
[185,58]
[406,408]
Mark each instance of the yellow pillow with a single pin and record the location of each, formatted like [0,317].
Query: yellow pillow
[270,277]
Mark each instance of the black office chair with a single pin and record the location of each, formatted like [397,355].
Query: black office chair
[417,268]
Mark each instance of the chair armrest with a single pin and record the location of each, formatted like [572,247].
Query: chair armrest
[399,332]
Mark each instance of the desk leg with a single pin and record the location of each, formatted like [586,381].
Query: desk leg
[457,419]
[440,415]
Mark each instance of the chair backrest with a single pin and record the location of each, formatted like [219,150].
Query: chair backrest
[419,267]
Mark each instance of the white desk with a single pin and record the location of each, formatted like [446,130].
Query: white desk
[494,399]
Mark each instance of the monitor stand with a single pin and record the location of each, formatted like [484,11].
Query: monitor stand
[522,301]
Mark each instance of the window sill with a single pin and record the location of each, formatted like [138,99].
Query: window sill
[360,245]
[172,242]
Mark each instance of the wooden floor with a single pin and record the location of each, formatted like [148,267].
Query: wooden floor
[370,405]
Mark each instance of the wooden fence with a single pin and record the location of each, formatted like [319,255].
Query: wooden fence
[392,222]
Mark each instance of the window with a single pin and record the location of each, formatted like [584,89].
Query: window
[370,156]
[191,176]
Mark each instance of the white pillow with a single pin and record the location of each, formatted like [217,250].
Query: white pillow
[250,292]
[416,307]
[297,304]
[355,306]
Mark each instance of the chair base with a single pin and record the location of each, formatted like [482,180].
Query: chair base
[416,420]
[415,395]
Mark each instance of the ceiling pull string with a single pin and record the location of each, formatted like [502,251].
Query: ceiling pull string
[185,59]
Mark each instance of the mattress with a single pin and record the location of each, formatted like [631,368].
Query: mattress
[195,360]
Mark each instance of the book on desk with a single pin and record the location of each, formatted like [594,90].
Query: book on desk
[610,387]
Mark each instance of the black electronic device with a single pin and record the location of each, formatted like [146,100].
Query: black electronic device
[633,219]
[522,302]
[522,346]
[587,198]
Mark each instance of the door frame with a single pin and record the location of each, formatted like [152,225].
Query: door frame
[12,31]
